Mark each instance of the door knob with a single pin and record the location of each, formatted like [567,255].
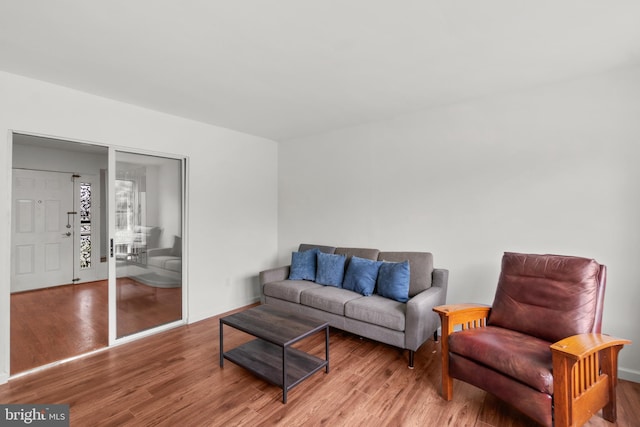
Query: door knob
[68,234]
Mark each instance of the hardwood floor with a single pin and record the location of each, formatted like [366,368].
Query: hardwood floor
[57,323]
[141,307]
[53,324]
[174,378]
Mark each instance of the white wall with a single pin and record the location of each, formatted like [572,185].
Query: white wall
[232,180]
[31,157]
[549,170]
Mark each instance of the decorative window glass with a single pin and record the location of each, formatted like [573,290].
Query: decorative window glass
[85,225]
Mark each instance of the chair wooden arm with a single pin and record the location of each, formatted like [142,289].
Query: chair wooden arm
[467,315]
[580,346]
[451,315]
[585,375]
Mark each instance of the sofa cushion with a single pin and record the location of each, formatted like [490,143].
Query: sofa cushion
[328,298]
[366,253]
[330,269]
[562,290]
[393,280]
[361,275]
[420,264]
[326,249]
[174,264]
[378,310]
[288,290]
[514,354]
[164,261]
[303,265]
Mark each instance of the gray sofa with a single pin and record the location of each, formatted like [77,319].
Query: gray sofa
[166,263]
[406,325]
[165,259]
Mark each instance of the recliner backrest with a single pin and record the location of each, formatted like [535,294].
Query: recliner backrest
[549,296]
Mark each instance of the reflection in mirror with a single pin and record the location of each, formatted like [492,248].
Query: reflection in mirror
[147,242]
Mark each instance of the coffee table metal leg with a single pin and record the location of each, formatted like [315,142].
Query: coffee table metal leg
[221,346]
[326,347]
[284,374]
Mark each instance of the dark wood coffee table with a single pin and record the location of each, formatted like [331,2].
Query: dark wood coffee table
[270,356]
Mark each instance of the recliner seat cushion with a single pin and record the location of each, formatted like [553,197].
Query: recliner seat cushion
[514,354]
[522,397]
[562,290]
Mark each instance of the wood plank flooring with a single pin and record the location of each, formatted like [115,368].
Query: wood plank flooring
[56,323]
[173,378]
[141,307]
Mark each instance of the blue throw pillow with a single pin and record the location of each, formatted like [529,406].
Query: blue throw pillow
[393,280]
[330,269]
[361,275]
[303,265]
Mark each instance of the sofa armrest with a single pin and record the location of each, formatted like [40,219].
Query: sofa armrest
[159,252]
[421,321]
[440,278]
[274,275]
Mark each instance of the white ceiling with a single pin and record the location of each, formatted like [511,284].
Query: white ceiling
[288,68]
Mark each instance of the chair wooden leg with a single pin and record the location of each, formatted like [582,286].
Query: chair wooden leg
[608,364]
[447,385]
[447,381]
[561,391]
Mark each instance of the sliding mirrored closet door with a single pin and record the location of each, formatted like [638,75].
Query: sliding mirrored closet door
[146,241]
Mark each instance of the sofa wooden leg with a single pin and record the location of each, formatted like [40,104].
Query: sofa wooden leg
[435,335]
[411,356]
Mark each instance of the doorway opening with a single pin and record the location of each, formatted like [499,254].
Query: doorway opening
[81,277]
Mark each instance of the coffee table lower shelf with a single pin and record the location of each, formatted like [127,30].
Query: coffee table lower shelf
[265,360]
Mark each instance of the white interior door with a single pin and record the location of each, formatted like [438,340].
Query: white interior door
[42,244]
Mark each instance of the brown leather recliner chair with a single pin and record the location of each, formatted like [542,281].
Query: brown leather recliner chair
[539,347]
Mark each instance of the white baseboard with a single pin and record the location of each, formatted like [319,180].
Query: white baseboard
[629,375]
